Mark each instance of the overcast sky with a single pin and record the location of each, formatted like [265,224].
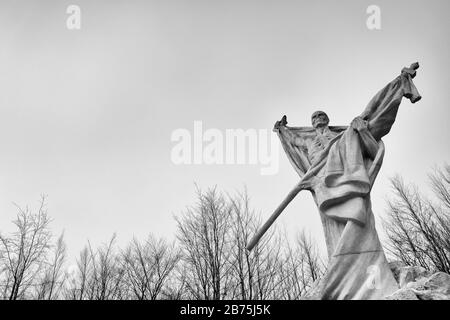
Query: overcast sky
[86,116]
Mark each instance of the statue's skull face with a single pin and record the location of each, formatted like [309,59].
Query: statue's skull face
[319,119]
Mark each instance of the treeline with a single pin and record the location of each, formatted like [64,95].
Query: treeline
[418,228]
[208,260]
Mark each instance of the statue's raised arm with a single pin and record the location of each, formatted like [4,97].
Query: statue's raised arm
[382,109]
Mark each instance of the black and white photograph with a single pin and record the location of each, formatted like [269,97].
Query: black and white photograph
[224,158]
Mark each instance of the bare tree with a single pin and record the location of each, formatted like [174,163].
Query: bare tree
[24,252]
[177,282]
[255,274]
[148,267]
[440,183]
[311,258]
[99,275]
[272,270]
[78,283]
[419,229]
[106,273]
[302,265]
[51,283]
[203,233]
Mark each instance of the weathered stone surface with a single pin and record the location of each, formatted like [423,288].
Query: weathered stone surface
[439,282]
[403,294]
[411,274]
[396,268]
[430,295]
[416,283]
[425,285]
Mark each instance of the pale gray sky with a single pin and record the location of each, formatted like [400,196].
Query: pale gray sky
[86,116]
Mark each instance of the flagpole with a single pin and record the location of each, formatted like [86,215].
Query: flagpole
[274,216]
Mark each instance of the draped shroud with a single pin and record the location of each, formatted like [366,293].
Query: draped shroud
[340,179]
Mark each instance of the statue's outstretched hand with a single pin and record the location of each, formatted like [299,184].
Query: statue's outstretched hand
[278,124]
[359,124]
[411,69]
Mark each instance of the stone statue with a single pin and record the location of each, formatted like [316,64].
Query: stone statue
[338,165]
